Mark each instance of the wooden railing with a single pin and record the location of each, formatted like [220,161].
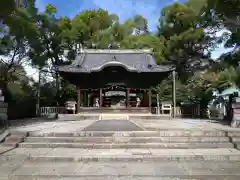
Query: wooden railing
[44,111]
[180,112]
[155,110]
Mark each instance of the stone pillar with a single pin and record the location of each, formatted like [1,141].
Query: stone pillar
[149,98]
[3,111]
[78,100]
[100,98]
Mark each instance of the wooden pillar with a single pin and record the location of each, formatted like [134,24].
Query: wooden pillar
[78,99]
[150,98]
[127,97]
[174,94]
[101,98]
[87,98]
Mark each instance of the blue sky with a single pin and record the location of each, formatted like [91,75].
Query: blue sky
[125,9]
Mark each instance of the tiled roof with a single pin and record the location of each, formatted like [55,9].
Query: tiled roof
[131,60]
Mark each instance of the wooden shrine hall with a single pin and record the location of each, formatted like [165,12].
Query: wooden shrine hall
[114,79]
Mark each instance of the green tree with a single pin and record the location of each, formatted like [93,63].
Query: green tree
[6,9]
[197,5]
[222,14]
[186,41]
[88,22]
[103,38]
[53,39]
[136,25]
[145,41]
[14,54]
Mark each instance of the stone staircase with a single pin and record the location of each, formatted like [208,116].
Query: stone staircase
[113,117]
[138,155]
[142,139]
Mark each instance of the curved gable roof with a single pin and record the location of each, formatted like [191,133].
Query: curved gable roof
[131,60]
[113,63]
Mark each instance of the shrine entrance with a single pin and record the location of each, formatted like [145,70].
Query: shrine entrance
[108,80]
[121,97]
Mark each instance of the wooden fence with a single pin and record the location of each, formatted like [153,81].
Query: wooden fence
[44,111]
[192,111]
[185,111]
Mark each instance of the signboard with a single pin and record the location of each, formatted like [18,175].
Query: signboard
[118,93]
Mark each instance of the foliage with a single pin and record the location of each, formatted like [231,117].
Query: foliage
[6,8]
[165,91]
[51,39]
[88,22]
[136,25]
[224,15]
[186,41]
[144,41]
[67,92]
[197,5]
[14,46]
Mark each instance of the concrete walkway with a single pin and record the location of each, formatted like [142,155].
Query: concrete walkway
[92,149]
[147,124]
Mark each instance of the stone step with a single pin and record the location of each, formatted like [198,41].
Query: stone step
[235,139]
[126,139]
[182,133]
[113,117]
[130,154]
[3,135]
[14,139]
[127,171]
[127,145]
[170,177]
[135,158]
[233,133]
[237,146]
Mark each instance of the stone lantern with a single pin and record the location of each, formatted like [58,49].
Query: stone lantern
[235,120]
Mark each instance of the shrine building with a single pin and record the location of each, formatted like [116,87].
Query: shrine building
[108,79]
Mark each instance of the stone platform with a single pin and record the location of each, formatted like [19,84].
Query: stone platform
[135,149]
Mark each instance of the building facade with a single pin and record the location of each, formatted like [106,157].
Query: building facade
[130,73]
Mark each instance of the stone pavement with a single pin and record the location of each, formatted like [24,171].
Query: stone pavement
[148,124]
[183,124]
[54,126]
[123,150]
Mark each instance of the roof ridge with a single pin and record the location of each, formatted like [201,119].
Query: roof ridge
[124,51]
